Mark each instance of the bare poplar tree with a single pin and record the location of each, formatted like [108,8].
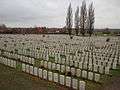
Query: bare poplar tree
[91,19]
[77,21]
[83,18]
[69,21]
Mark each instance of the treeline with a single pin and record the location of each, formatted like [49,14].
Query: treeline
[83,20]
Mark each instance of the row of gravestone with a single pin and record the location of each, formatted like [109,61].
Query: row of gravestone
[65,69]
[37,55]
[48,64]
[26,59]
[45,74]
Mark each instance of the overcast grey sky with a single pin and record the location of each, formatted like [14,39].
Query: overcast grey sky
[52,13]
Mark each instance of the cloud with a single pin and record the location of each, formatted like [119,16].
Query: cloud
[52,13]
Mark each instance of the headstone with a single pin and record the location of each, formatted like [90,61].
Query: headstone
[45,74]
[76,64]
[81,85]
[62,79]
[67,69]
[31,70]
[90,67]
[27,68]
[45,64]
[41,63]
[12,63]
[85,65]
[55,77]
[80,65]
[63,60]
[62,68]
[75,83]
[58,67]
[40,72]
[90,75]
[67,61]
[50,76]
[53,66]
[35,71]
[106,70]
[9,62]
[114,65]
[84,74]
[68,81]
[23,67]
[32,61]
[78,72]
[97,77]
[71,62]
[95,68]
[101,68]
[49,65]
[73,71]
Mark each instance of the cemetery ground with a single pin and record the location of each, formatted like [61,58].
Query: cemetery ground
[11,79]
[56,62]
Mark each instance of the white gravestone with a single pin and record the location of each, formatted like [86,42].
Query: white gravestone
[50,76]
[67,69]
[62,79]
[80,65]
[27,69]
[68,81]
[97,77]
[58,67]
[73,71]
[49,65]
[76,64]
[84,74]
[81,85]
[90,67]
[45,74]
[106,70]
[90,75]
[75,83]
[12,64]
[55,77]
[40,72]
[35,71]
[45,64]
[78,72]
[114,65]
[9,62]
[95,68]
[23,67]
[31,70]
[62,68]
[53,66]
[101,69]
